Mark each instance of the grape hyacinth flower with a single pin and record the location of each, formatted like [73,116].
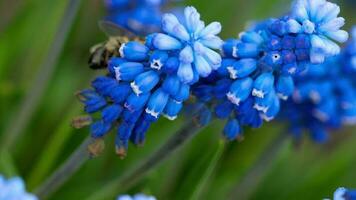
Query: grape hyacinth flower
[14,189]
[138,16]
[325,96]
[152,79]
[136,197]
[344,194]
[258,69]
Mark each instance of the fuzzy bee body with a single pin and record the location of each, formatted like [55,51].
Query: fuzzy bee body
[101,53]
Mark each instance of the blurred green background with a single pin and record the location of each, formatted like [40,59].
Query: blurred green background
[199,170]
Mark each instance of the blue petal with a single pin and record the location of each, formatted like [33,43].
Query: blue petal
[111,113]
[166,42]
[172,109]
[263,85]
[157,103]
[242,68]
[240,90]
[135,102]
[134,51]
[171,85]
[185,72]
[145,82]
[284,87]
[127,71]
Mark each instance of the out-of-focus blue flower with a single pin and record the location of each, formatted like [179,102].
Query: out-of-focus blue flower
[153,79]
[14,189]
[139,16]
[344,194]
[258,69]
[325,96]
[136,197]
[319,19]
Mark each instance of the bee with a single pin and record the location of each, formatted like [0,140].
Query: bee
[101,53]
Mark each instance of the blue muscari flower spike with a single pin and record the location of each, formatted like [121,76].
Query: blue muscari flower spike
[344,194]
[325,96]
[135,197]
[259,68]
[153,79]
[14,189]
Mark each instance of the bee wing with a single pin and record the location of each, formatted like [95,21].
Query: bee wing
[112,30]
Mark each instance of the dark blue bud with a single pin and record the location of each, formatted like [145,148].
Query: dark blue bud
[171,65]
[123,135]
[135,102]
[318,133]
[114,62]
[128,71]
[203,92]
[111,113]
[183,93]
[252,119]
[278,27]
[157,103]
[245,106]
[246,50]
[274,43]
[225,64]
[284,87]
[131,117]
[232,129]
[288,57]
[171,85]
[263,85]
[172,109]
[302,41]
[104,85]
[288,42]
[139,132]
[92,101]
[158,59]
[240,90]
[145,82]
[120,92]
[222,88]
[242,68]
[134,51]
[224,109]
[99,129]
[302,54]
[229,46]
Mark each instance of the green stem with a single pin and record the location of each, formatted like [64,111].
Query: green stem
[36,90]
[65,172]
[130,178]
[209,171]
[255,174]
